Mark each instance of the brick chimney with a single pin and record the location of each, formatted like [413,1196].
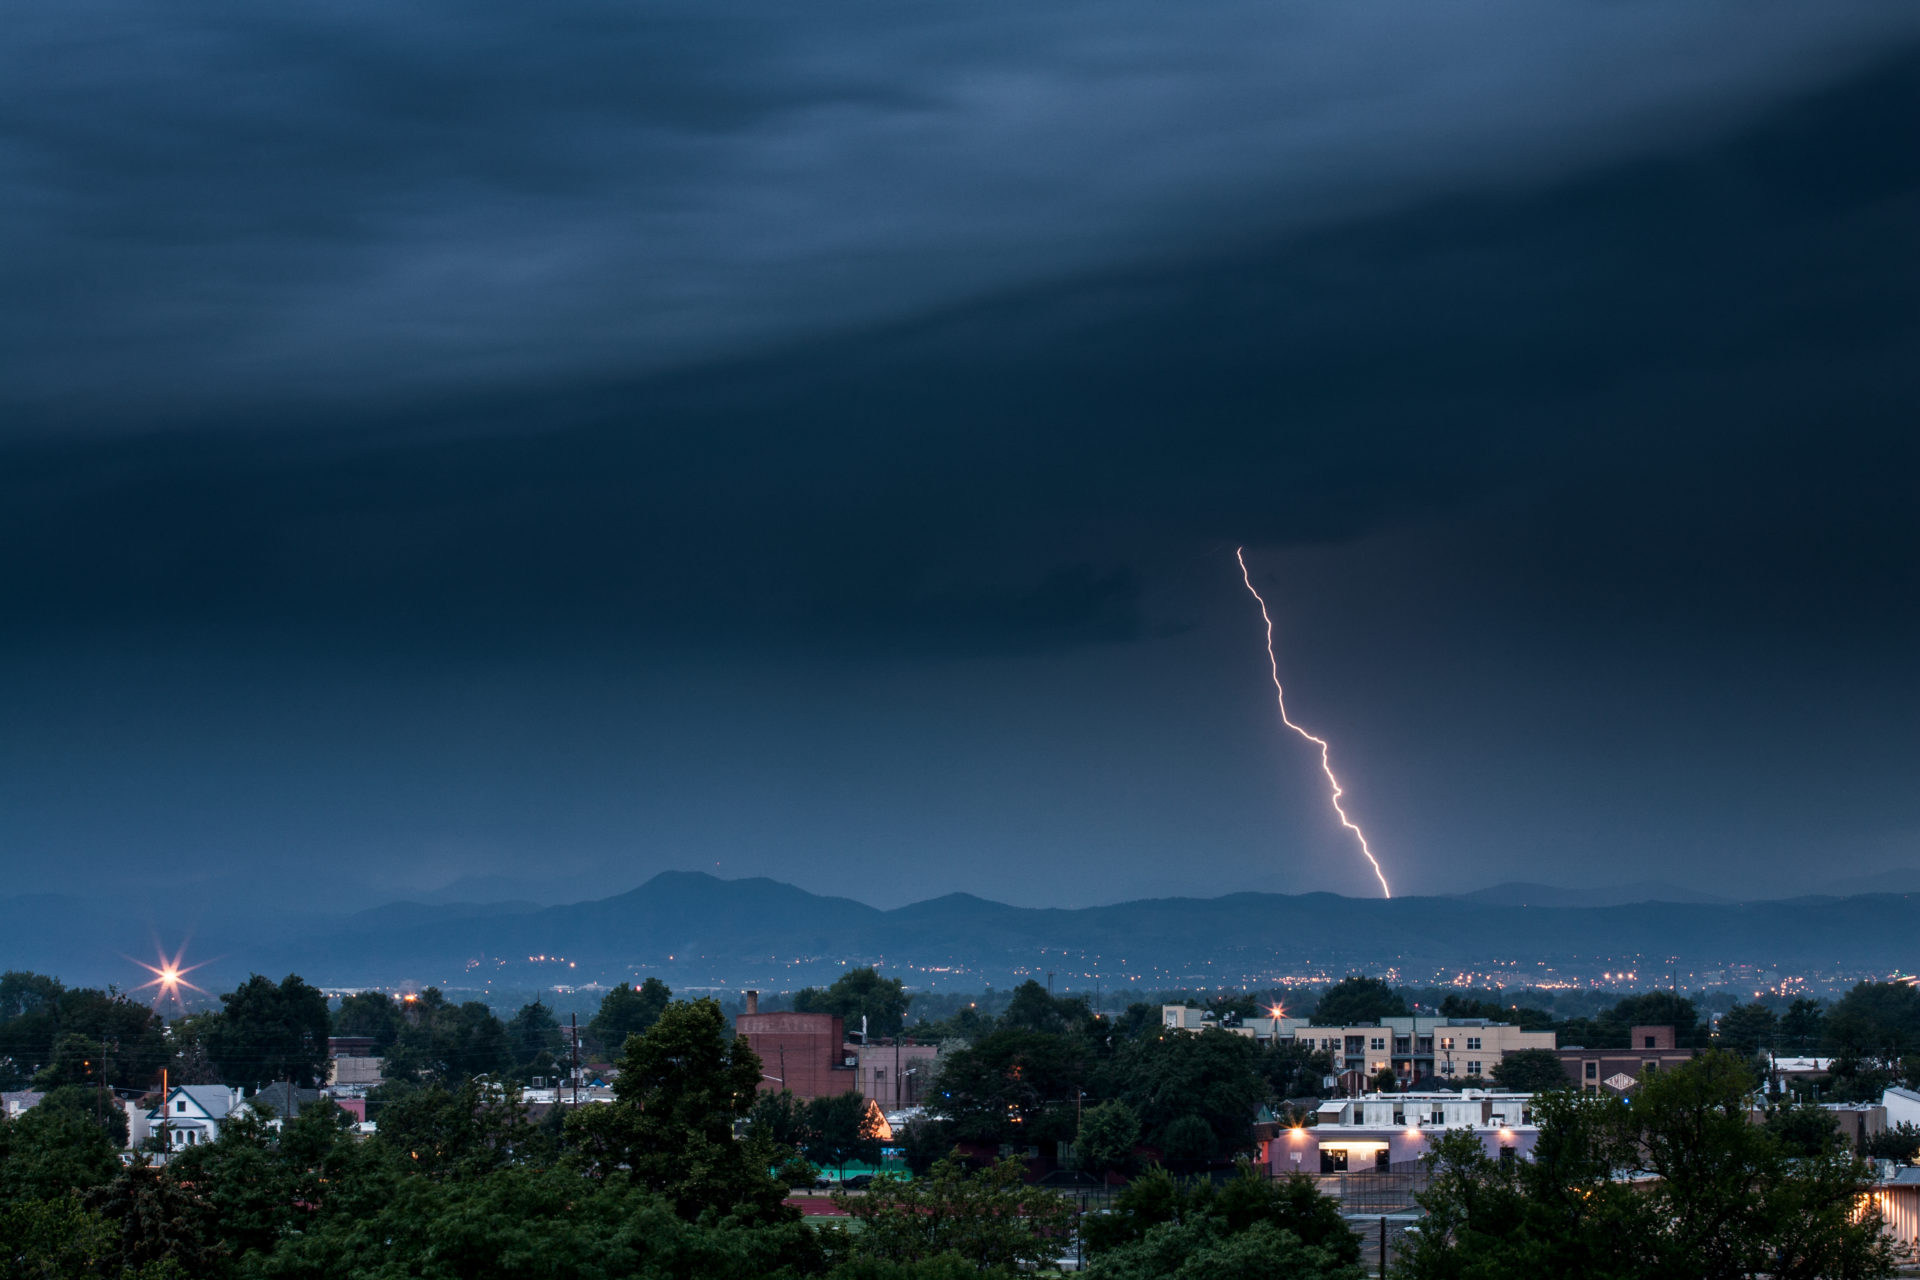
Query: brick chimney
[753,1002]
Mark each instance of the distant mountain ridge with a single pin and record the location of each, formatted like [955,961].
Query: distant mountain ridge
[697,930]
[1516,893]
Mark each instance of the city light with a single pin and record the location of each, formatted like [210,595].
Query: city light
[169,976]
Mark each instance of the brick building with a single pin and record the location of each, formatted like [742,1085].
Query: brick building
[804,1052]
[1616,1071]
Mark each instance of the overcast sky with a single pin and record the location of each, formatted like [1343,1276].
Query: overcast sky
[811,441]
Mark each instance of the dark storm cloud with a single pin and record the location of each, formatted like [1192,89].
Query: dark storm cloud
[211,209]
[1673,380]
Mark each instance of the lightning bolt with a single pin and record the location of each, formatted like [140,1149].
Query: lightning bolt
[1326,764]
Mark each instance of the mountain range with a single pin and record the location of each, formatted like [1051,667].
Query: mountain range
[699,931]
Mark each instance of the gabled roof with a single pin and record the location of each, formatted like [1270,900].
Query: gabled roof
[286,1101]
[213,1099]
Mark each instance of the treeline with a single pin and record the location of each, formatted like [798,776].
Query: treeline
[665,1181]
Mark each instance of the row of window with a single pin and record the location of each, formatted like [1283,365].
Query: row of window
[1378,1043]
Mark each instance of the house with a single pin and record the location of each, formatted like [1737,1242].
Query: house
[281,1102]
[190,1114]
[1616,1071]
[1903,1107]
[1382,1130]
[16,1104]
[352,1065]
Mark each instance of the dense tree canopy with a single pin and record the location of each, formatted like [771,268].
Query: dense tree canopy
[1531,1071]
[682,1086]
[1747,1029]
[270,1031]
[1357,1000]
[1723,1199]
[627,1011]
[51,1035]
[857,994]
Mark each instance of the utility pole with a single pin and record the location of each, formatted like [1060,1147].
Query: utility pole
[576,1060]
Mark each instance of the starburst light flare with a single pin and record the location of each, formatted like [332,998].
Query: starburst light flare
[169,976]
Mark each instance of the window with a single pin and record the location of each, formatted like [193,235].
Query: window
[1473,1042]
[1446,1068]
[1333,1160]
[1650,1067]
[1380,1158]
[1593,1071]
[1378,1042]
[1473,1066]
[1508,1155]
[180,1106]
[1649,1043]
[1446,1042]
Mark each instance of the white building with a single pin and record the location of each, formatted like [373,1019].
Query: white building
[190,1115]
[1903,1107]
[1378,1131]
[1414,1047]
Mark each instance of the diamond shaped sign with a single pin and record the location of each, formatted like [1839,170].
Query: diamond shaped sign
[1620,1082]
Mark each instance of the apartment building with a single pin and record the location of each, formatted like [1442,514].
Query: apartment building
[1416,1048]
[1381,1130]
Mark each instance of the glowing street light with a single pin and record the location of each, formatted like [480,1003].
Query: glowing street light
[169,976]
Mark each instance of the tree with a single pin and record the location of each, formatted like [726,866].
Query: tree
[188,1061]
[462,1132]
[1034,1008]
[1108,1134]
[51,1151]
[990,1219]
[1878,1020]
[1014,1085]
[1356,1000]
[1653,1009]
[1721,1198]
[1457,1006]
[1155,1202]
[372,1014]
[860,993]
[1802,1027]
[533,1037]
[682,1085]
[1200,1250]
[1188,1142]
[1385,1081]
[1292,1204]
[535,1224]
[625,1012]
[1803,1130]
[1294,1069]
[1531,1071]
[449,1043]
[1901,1143]
[269,1032]
[842,1128]
[1747,1029]
[1212,1075]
